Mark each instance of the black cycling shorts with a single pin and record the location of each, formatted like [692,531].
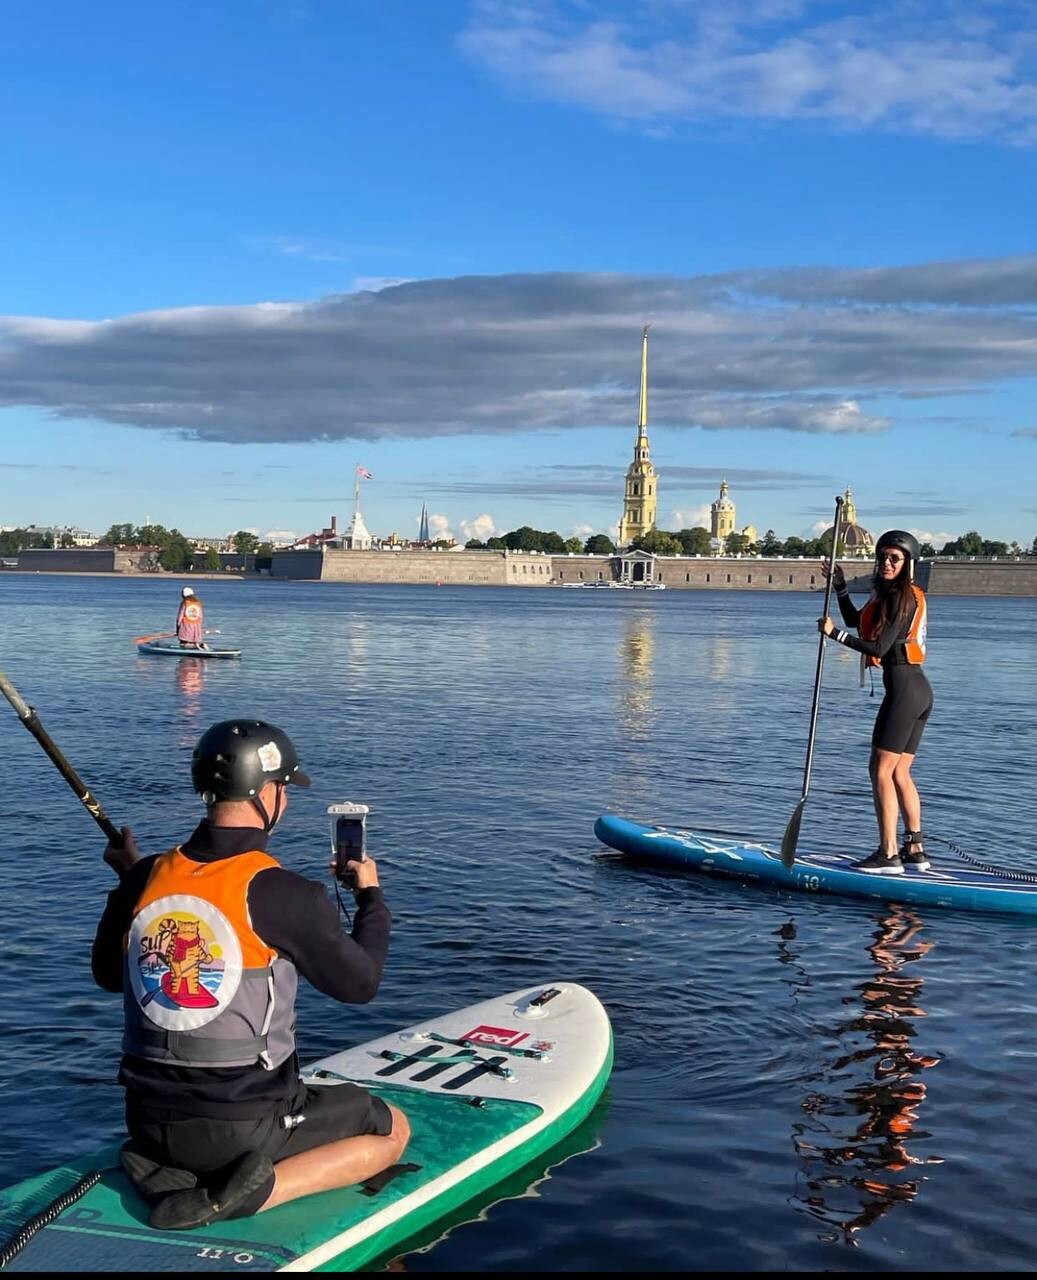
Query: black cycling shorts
[905,710]
[203,1144]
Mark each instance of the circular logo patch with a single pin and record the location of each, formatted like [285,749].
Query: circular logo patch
[184,962]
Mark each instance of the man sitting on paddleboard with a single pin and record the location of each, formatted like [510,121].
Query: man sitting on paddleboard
[207,943]
[190,621]
[892,629]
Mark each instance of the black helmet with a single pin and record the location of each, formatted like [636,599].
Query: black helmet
[236,758]
[900,538]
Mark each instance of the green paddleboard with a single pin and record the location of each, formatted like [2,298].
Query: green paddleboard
[487,1090]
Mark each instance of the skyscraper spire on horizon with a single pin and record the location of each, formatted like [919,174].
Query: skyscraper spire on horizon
[423,525]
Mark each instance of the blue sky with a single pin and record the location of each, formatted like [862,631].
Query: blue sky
[244,248]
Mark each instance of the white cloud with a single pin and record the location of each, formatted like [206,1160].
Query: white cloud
[280,535]
[583,530]
[818,528]
[305,247]
[375,284]
[439,527]
[951,70]
[938,538]
[690,517]
[481,527]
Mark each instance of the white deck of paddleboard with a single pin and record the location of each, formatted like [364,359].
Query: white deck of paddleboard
[573,1023]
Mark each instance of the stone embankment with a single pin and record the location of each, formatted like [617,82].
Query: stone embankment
[532,569]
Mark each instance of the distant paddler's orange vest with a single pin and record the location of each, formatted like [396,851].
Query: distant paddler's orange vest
[913,647]
[191,610]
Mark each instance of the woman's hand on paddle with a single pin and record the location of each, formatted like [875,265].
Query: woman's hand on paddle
[838,577]
[120,857]
[826,626]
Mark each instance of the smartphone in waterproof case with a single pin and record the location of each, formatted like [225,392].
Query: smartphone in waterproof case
[348,838]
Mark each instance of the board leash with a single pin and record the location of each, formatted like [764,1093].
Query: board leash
[45,1217]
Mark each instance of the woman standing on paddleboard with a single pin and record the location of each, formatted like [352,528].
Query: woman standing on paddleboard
[892,629]
[190,621]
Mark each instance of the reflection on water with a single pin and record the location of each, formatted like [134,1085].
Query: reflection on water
[526,1182]
[637,702]
[719,649]
[190,685]
[854,1143]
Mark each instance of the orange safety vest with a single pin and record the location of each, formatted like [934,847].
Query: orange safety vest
[201,987]
[913,646]
[191,611]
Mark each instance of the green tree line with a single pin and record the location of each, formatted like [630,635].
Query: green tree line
[175,552]
[698,542]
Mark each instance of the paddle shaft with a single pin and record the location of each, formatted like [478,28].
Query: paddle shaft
[27,715]
[836,530]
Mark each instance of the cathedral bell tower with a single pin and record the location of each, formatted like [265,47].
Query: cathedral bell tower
[641,497]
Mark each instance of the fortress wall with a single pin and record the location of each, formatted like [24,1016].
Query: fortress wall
[725,573]
[984,578]
[454,568]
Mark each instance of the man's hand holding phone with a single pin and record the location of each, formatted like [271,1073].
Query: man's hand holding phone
[363,875]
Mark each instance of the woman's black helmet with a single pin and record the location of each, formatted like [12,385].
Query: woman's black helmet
[900,538]
[236,758]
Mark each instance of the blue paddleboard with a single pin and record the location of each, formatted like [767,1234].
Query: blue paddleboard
[964,888]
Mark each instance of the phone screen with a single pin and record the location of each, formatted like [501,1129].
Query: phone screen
[349,840]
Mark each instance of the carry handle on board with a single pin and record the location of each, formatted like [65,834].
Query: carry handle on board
[791,836]
[27,715]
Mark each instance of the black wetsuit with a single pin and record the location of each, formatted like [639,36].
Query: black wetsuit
[909,696]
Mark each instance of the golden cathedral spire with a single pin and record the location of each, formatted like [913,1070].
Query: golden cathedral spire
[641,496]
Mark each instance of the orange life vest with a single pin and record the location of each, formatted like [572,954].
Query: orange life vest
[191,611]
[913,647]
[201,987]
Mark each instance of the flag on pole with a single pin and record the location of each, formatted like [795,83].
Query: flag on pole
[363,471]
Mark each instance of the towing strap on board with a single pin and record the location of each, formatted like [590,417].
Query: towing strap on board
[373,1185]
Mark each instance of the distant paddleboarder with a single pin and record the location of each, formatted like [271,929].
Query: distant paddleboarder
[190,621]
[892,630]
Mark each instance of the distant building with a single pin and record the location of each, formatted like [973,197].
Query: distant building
[313,541]
[423,535]
[857,542]
[641,496]
[80,537]
[722,516]
[356,536]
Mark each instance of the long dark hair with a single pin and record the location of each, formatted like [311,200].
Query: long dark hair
[896,600]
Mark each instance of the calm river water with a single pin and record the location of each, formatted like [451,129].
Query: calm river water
[801,1083]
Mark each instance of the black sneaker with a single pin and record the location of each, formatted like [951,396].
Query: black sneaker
[240,1184]
[917,860]
[878,864]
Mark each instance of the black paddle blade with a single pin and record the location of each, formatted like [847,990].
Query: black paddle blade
[791,837]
